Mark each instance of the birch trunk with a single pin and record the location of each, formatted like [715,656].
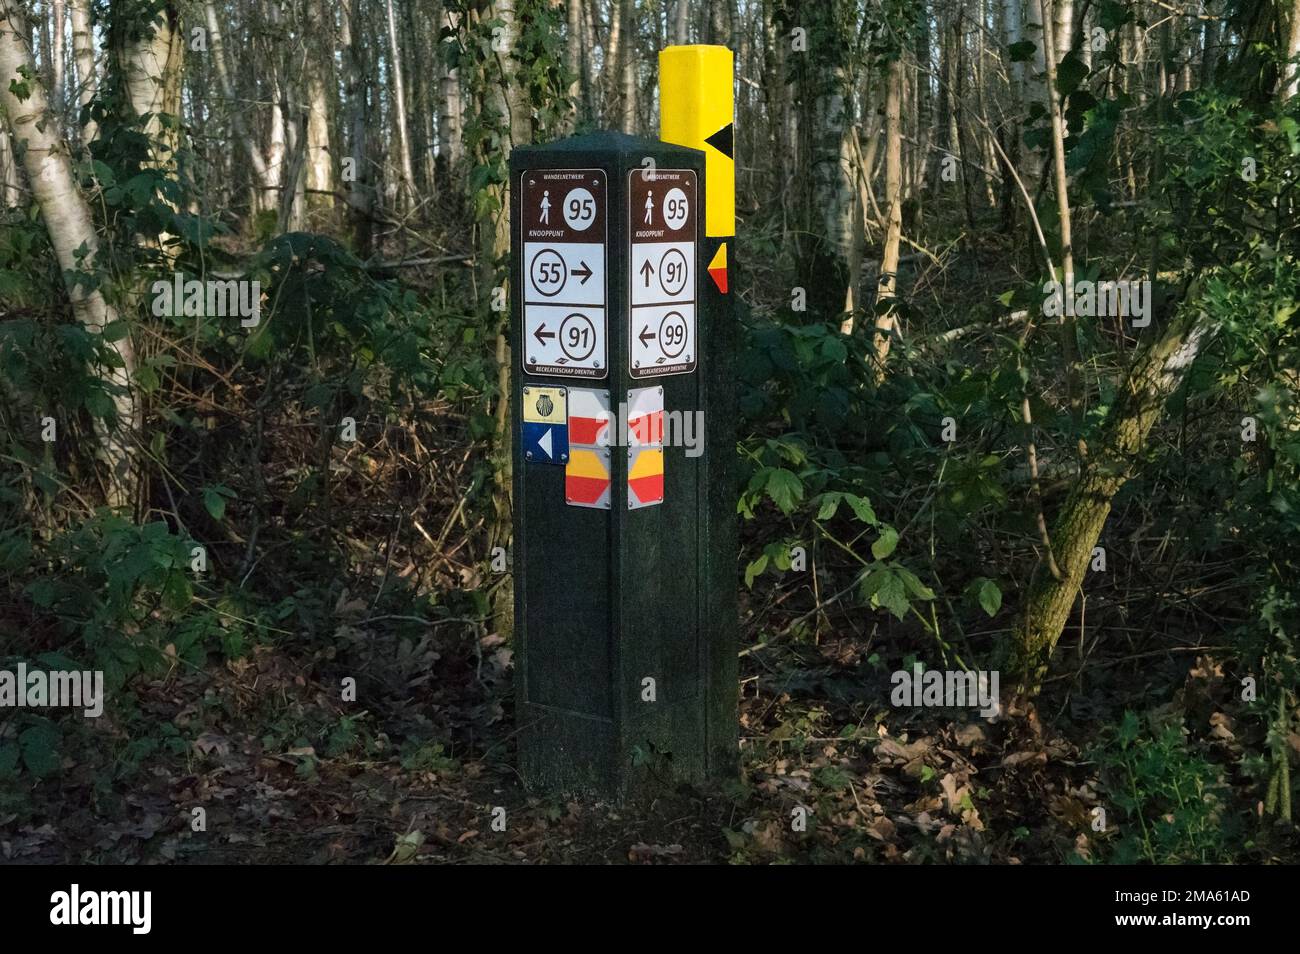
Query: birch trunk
[319,73]
[574,60]
[1291,71]
[217,51]
[58,92]
[406,170]
[629,124]
[72,236]
[83,55]
[1069,338]
[886,321]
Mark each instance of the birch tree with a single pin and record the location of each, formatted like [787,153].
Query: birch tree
[83,55]
[72,235]
[406,169]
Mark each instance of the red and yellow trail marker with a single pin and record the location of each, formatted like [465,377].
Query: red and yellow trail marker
[718,268]
[645,477]
[586,477]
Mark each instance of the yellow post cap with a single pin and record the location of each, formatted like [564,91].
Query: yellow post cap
[697,109]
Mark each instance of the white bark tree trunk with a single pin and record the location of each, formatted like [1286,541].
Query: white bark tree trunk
[406,170]
[888,282]
[72,235]
[1292,72]
[320,161]
[217,51]
[58,92]
[83,54]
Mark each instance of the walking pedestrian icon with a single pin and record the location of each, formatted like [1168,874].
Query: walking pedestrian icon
[649,208]
[545,218]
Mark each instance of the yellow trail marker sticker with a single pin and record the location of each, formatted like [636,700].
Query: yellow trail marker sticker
[546,405]
[718,268]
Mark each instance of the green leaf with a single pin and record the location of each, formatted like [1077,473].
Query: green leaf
[1070,72]
[755,568]
[214,502]
[883,587]
[176,593]
[830,503]
[885,544]
[115,330]
[1129,728]
[9,755]
[40,749]
[861,509]
[990,596]
[785,488]
[1022,52]
[914,584]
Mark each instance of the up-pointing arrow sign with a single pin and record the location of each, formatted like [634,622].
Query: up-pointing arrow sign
[646,271]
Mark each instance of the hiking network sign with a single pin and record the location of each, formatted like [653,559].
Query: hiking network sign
[564,238]
[662,215]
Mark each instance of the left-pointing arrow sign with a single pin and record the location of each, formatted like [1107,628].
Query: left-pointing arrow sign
[646,335]
[542,335]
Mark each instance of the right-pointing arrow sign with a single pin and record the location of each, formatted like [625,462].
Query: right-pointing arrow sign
[584,272]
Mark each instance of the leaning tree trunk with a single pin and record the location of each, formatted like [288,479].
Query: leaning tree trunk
[72,236]
[1155,375]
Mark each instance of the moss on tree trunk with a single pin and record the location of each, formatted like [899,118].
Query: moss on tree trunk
[1156,374]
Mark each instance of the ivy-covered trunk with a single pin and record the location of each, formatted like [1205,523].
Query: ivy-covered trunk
[72,236]
[1156,374]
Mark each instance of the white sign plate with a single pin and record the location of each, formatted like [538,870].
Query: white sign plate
[662,209]
[563,272]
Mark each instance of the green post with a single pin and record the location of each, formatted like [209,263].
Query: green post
[624,525]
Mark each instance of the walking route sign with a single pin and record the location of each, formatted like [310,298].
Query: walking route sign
[661,320]
[564,222]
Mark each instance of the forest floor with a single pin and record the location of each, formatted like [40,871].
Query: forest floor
[285,773]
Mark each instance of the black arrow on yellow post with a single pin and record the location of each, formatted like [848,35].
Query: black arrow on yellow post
[724,140]
[696,104]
